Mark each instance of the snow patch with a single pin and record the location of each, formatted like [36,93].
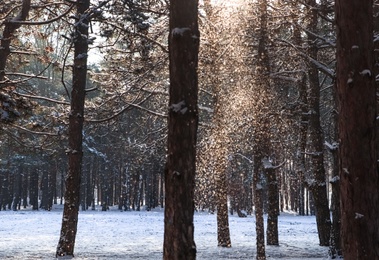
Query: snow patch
[139,235]
[358,215]
[334,179]
[366,72]
[331,146]
[179,107]
[180,31]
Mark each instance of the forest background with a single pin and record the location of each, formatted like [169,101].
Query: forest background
[266,103]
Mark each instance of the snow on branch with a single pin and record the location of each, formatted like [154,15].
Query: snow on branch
[331,146]
[322,67]
[267,164]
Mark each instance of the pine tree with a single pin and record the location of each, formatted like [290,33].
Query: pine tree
[356,93]
[182,131]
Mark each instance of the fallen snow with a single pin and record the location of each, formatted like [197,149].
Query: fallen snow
[28,234]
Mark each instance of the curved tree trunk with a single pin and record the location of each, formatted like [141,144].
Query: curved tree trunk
[75,154]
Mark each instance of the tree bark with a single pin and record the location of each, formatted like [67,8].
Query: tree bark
[219,147]
[356,92]
[273,208]
[11,25]
[258,204]
[76,117]
[223,233]
[302,142]
[182,131]
[335,236]
[317,181]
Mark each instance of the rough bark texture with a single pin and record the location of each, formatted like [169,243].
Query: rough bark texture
[182,130]
[262,136]
[317,181]
[11,25]
[223,233]
[335,236]
[302,143]
[219,148]
[75,154]
[357,121]
[273,208]
[258,204]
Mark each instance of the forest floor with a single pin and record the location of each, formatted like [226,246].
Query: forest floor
[113,234]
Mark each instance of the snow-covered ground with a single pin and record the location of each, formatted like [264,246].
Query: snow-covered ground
[28,234]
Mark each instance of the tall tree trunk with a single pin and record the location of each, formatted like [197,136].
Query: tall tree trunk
[273,208]
[356,93]
[302,142]
[45,190]
[182,131]
[258,204]
[335,236]
[75,154]
[223,233]
[219,146]
[17,185]
[317,181]
[33,189]
[25,188]
[262,136]
[11,25]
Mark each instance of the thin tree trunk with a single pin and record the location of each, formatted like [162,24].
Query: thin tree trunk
[75,154]
[33,189]
[335,239]
[180,169]
[223,234]
[335,236]
[302,141]
[356,91]
[273,208]
[16,190]
[258,203]
[25,188]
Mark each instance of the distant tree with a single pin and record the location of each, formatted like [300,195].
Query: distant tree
[182,131]
[216,166]
[357,129]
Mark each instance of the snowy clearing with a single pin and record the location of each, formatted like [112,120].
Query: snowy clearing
[28,234]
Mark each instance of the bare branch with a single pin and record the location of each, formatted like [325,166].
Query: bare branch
[43,98]
[33,132]
[44,22]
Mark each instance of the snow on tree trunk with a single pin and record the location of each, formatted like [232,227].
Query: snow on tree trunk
[182,131]
[335,235]
[71,206]
[317,179]
[356,92]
